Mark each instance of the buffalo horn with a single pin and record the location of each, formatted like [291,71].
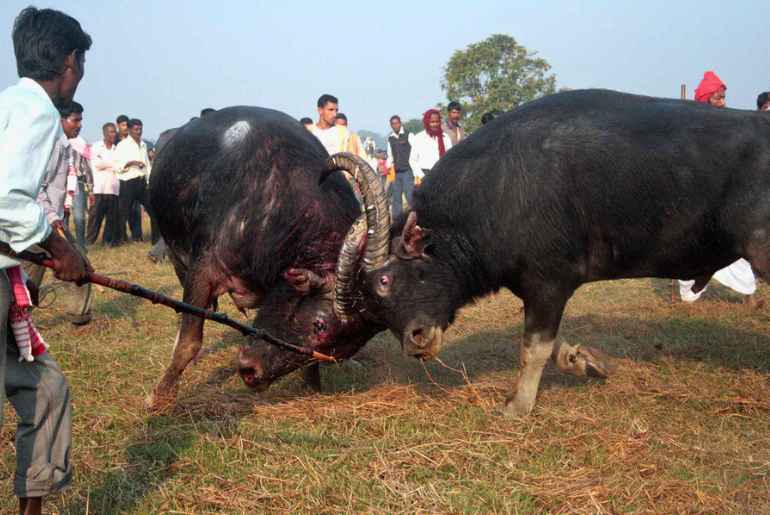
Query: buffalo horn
[376,207]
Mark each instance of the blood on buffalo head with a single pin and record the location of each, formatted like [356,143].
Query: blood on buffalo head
[323,311]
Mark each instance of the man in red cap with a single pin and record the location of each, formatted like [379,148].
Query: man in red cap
[711,90]
[738,276]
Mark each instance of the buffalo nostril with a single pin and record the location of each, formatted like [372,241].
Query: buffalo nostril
[247,373]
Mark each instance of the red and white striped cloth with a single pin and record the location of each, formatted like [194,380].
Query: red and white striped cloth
[28,339]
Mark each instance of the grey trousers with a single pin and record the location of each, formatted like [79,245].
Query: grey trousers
[40,395]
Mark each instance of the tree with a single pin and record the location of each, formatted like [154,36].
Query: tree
[414,125]
[495,74]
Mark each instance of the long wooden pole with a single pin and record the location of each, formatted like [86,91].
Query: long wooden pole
[176,305]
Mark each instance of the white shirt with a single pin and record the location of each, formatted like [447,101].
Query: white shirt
[425,152]
[334,139]
[106,180]
[29,127]
[129,150]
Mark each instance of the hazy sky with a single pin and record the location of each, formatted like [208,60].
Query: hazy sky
[163,61]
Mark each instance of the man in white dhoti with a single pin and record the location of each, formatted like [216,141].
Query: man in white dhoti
[738,276]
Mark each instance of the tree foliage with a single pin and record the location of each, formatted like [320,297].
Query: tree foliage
[414,125]
[495,74]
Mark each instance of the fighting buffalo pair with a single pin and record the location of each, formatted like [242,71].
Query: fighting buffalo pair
[576,187]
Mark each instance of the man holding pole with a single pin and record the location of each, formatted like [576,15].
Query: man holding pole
[50,52]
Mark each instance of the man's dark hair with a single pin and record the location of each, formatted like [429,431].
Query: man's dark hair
[394,117]
[71,108]
[207,111]
[108,124]
[341,116]
[305,120]
[43,38]
[327,99]
[133,122]
[122,118]
[762,99]
[454,106]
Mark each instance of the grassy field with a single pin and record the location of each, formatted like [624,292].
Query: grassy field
[682,427]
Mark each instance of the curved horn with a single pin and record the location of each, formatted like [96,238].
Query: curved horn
[344,286]
[375,206]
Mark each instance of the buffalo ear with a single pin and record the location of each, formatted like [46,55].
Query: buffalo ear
[414,238]
[304,280]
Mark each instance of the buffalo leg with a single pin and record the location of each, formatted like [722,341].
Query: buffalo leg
[542,316]
[189,340]
[312,376]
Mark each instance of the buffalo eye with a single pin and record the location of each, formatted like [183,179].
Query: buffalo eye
[383,285]
[319,326]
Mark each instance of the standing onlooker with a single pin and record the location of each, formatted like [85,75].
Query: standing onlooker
[428,146]
[451,126]
[50,52]
[79,179]
[400,144]
[354,142]
[133,166]
[333,137]
[122,125]
[737,276]
[106,188]
[711,90]
[763,101]
[55,197]
[135,216]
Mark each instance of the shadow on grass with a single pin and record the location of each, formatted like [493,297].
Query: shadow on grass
[125,306]
[685,338]
[206,408]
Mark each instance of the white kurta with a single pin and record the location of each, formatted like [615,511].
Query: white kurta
[737,276]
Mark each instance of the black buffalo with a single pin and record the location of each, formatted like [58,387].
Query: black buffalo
[241,207]
[572,188]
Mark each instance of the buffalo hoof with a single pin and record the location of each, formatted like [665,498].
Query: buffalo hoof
[161,401]
[585,361]
[514,408]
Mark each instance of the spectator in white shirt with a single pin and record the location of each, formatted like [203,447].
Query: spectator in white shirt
[106,189]
[334,138]
[429,145]
[133,167]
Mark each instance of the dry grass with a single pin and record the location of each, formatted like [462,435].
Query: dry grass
[682,426]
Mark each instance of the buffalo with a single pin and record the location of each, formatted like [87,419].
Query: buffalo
[572,188]
[239,202]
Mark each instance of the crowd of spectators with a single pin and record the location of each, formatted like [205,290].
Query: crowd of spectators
[409,157]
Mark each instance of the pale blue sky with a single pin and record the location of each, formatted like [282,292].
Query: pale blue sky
[163,61]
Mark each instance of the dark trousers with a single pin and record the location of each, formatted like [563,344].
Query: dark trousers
[402,185]
[105,208]
[77,213]
[132,193]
